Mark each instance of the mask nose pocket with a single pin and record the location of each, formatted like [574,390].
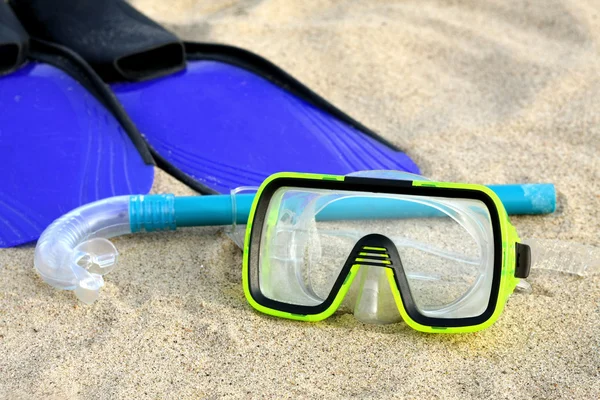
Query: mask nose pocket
[371,298]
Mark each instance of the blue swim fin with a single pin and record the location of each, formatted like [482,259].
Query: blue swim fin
[60,146]
[230,118]
[226,121]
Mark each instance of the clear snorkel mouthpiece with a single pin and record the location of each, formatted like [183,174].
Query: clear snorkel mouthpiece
[74,252]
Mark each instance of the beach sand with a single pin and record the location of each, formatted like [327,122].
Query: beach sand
[483,92]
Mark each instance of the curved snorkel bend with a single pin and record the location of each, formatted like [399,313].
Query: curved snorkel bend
[74,252]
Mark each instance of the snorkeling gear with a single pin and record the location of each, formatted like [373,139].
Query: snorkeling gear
[450,251]
[64,139]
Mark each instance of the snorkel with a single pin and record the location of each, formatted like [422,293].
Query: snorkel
[74,252]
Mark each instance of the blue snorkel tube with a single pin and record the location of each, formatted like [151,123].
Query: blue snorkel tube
[531,199]
[74,252]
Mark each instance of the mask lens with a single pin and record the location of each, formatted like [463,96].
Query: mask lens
[445,246]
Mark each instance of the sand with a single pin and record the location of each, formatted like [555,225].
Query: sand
[485,92]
